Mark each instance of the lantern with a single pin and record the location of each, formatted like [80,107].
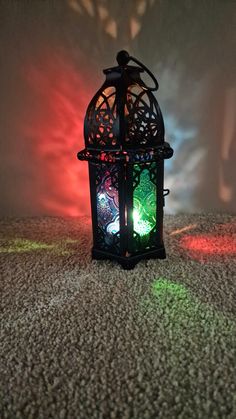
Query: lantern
[125,150]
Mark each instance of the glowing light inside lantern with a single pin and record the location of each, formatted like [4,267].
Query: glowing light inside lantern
[142,227]
[144,209]
[144,213]
[102,199]
[114,227]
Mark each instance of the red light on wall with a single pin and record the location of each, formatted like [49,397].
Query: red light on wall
[53,130]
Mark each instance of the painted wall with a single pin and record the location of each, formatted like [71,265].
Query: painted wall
[52,53]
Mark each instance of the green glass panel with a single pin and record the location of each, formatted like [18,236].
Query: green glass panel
[144,204]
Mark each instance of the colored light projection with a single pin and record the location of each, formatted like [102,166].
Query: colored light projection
[20,245]
[182,230]
[144,213]
[209,244]
[52,131]
[185,312]
[108,207]
[181,314]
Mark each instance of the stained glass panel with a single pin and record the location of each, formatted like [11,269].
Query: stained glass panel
[144,203]
[108,206]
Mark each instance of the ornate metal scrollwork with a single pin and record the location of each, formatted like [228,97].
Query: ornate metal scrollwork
[144,124]
[101,120]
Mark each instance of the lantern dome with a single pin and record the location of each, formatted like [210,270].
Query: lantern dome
[123,114]
[123,121]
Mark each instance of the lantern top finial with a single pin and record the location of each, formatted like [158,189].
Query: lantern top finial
[123,57]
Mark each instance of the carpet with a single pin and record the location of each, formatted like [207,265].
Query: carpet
[85,339]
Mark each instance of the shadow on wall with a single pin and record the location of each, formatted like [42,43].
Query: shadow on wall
[54,53]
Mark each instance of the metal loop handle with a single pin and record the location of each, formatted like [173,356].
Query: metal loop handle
[148,72]
[166,192]
[123,58]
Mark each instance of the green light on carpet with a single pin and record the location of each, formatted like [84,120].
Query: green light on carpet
[182,310]
[163,286]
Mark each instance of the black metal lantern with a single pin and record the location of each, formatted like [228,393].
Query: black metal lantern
[125,149]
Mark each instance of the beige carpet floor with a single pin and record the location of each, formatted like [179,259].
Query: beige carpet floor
[82,339]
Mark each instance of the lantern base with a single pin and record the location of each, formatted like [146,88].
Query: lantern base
[129,262]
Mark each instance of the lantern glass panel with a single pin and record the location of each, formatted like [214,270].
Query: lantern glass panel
[108,204]
[145,204]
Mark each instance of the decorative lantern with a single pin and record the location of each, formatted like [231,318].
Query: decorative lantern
[125,149]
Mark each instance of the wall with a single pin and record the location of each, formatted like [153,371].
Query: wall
[51,58]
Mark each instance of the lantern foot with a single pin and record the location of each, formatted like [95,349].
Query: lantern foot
[99,255]
[162,253]
[129,263]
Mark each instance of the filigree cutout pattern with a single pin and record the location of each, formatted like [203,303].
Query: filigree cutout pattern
[101,120]
[143,119]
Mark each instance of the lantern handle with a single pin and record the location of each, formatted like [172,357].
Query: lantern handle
[123,58]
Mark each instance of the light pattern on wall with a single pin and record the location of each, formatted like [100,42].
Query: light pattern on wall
[48,81]
[106,15]
[187,161]
[56,127]
[225,184]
